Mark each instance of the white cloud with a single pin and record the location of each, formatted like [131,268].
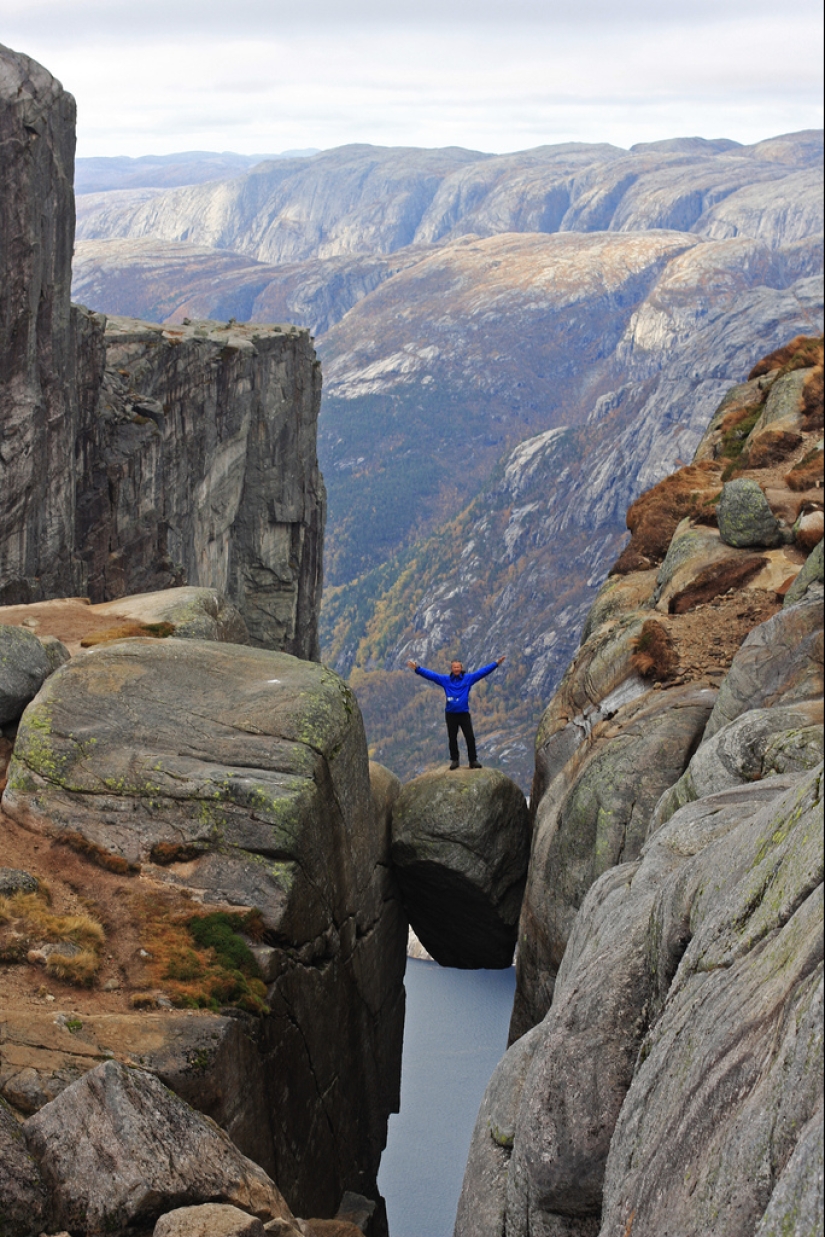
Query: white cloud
[265,75]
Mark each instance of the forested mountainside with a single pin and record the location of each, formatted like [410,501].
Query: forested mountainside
[465,304]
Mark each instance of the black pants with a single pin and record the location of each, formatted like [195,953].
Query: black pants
[462,720]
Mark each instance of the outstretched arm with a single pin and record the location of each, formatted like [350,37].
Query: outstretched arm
[441,679]
[485,670]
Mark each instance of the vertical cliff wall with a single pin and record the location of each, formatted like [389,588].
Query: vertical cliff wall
[38,394]
[133,458]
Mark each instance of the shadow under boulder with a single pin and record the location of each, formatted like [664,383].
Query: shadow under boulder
[460,847]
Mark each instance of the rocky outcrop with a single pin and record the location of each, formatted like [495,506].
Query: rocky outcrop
[670,1036]
[134,459]
[460,845]
[24,665]
[23,1198]
[51,354]
[238,778]
[594,815]
[201,469]
[97,1147]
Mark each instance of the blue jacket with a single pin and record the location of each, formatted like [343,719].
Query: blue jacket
[457,687]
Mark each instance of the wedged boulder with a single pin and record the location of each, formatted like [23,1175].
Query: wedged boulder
[745,517]
[594,815]
[241,775]
[195,613]
[784,402]
[22,1192]
[24,666]
[460,847]
[117,1149]
[780,662]
[757,744]
[209,1220]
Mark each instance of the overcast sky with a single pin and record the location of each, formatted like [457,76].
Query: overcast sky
[261,76]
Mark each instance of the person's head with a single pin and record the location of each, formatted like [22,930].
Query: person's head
[456,667]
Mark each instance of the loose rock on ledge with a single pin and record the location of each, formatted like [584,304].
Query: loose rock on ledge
[460,847]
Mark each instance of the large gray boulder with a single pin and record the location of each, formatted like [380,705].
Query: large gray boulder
[594,815]
[240,776]
[811,576]
[22,1192]
[209,1220]
[460,846]
[780,662]
[195,613]
[117,1149]
[24,665]
[757,744]
[745,517]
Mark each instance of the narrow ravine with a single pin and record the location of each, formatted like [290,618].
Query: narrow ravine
[454,1035]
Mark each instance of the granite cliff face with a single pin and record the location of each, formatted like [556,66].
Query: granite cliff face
[131,458]
[665,1072]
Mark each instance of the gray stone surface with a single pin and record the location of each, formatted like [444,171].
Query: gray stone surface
[195,613]
[594,815]
[23,1197]
[692,953]
[811,575]
[482,1204]
[730,1071]
[757,744]
[13,880]
[460,846]
[97,1145]
[208,1220]
[49,353]
[796,1205]
[745,518]
[55,650]
[784,402]
[780,662]
[24,665]
[245,773]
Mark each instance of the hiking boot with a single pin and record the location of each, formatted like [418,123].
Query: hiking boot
[453,764]
[474,764]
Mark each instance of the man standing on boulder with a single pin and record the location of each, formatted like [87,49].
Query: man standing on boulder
[457,686]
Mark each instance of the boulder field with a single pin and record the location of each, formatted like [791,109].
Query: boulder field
[460,844]
[665,1068]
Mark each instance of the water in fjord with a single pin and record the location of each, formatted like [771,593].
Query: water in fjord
[455,1033]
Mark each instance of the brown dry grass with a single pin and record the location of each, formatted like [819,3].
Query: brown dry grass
[124,631]
[802,351]
[771,448]
[807,474]
[715,580]
[654,656]
[653,518]
[199,959]
[813,402]
[26,921]
[99,855]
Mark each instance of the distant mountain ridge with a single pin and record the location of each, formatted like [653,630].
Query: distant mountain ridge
[190,167]
[464,304]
